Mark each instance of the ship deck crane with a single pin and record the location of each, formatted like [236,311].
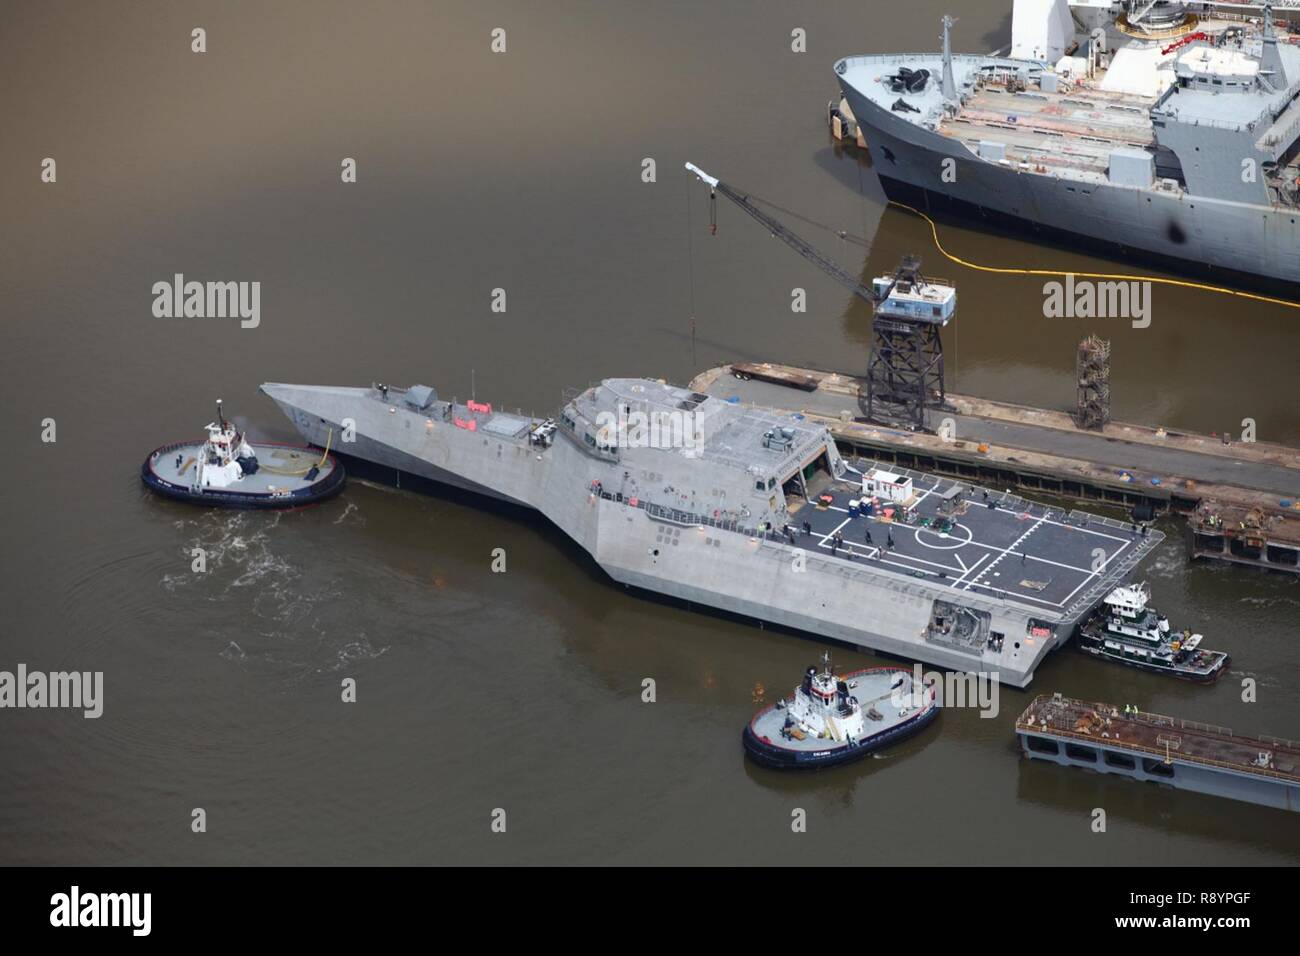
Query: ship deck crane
[905,375]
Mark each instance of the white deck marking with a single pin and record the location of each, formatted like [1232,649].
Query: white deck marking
[873,551]
[822,542]
[972,541]
[1075,527]
[1011,550]
[1057,564]
[994,592]
[1095,574]
[983,557]
[974,576]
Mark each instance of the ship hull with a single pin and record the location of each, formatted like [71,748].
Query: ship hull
[1217,241]
[327,486]
[1103,758]
[770,755]
[953,209]
[1181,674]
[704,561]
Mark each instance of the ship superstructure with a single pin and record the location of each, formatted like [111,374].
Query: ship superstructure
[1170,132]
[756,513]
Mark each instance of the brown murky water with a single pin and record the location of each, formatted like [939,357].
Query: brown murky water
[519,691]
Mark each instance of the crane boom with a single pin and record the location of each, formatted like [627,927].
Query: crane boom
[796,243]
[905,375]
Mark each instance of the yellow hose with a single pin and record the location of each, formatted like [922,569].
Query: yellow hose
[292,473]
[326,453]
[1185,283]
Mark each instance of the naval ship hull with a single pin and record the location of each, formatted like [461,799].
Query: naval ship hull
[949,208]
[613,507]
[1225,241]
[387,465]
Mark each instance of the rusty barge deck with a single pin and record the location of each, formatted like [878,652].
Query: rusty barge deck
[1183,754]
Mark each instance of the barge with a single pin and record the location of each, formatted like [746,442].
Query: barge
[1183,754]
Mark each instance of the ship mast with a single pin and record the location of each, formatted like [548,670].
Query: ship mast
[949,83]
[1270,59]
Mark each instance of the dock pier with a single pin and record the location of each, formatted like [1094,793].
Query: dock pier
[1239,498]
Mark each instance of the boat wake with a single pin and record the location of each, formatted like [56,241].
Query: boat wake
[352,514]
[300,619]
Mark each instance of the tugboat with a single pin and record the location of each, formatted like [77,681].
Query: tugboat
[1127,629]
[832,720]
[228,471]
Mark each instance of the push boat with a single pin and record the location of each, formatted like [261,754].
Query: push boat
[833,720]
[1127,629]
[228,471]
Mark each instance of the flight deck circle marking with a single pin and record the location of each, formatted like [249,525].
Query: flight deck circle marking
[948,543]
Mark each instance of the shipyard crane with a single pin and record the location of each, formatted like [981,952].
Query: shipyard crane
[831,268]
[905,375]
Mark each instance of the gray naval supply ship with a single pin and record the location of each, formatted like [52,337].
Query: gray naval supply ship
[1162,130]
[754,512]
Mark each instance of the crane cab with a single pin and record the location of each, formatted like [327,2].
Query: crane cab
[914,299]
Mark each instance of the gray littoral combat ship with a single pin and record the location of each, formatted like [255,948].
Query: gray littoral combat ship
[1170,132]
[756,513]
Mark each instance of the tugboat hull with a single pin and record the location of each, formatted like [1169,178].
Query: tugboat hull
[774,757]
[1181,674]
[266,489]
[773,739]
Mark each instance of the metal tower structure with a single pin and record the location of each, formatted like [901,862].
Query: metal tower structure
[905,375]
[1093,408]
